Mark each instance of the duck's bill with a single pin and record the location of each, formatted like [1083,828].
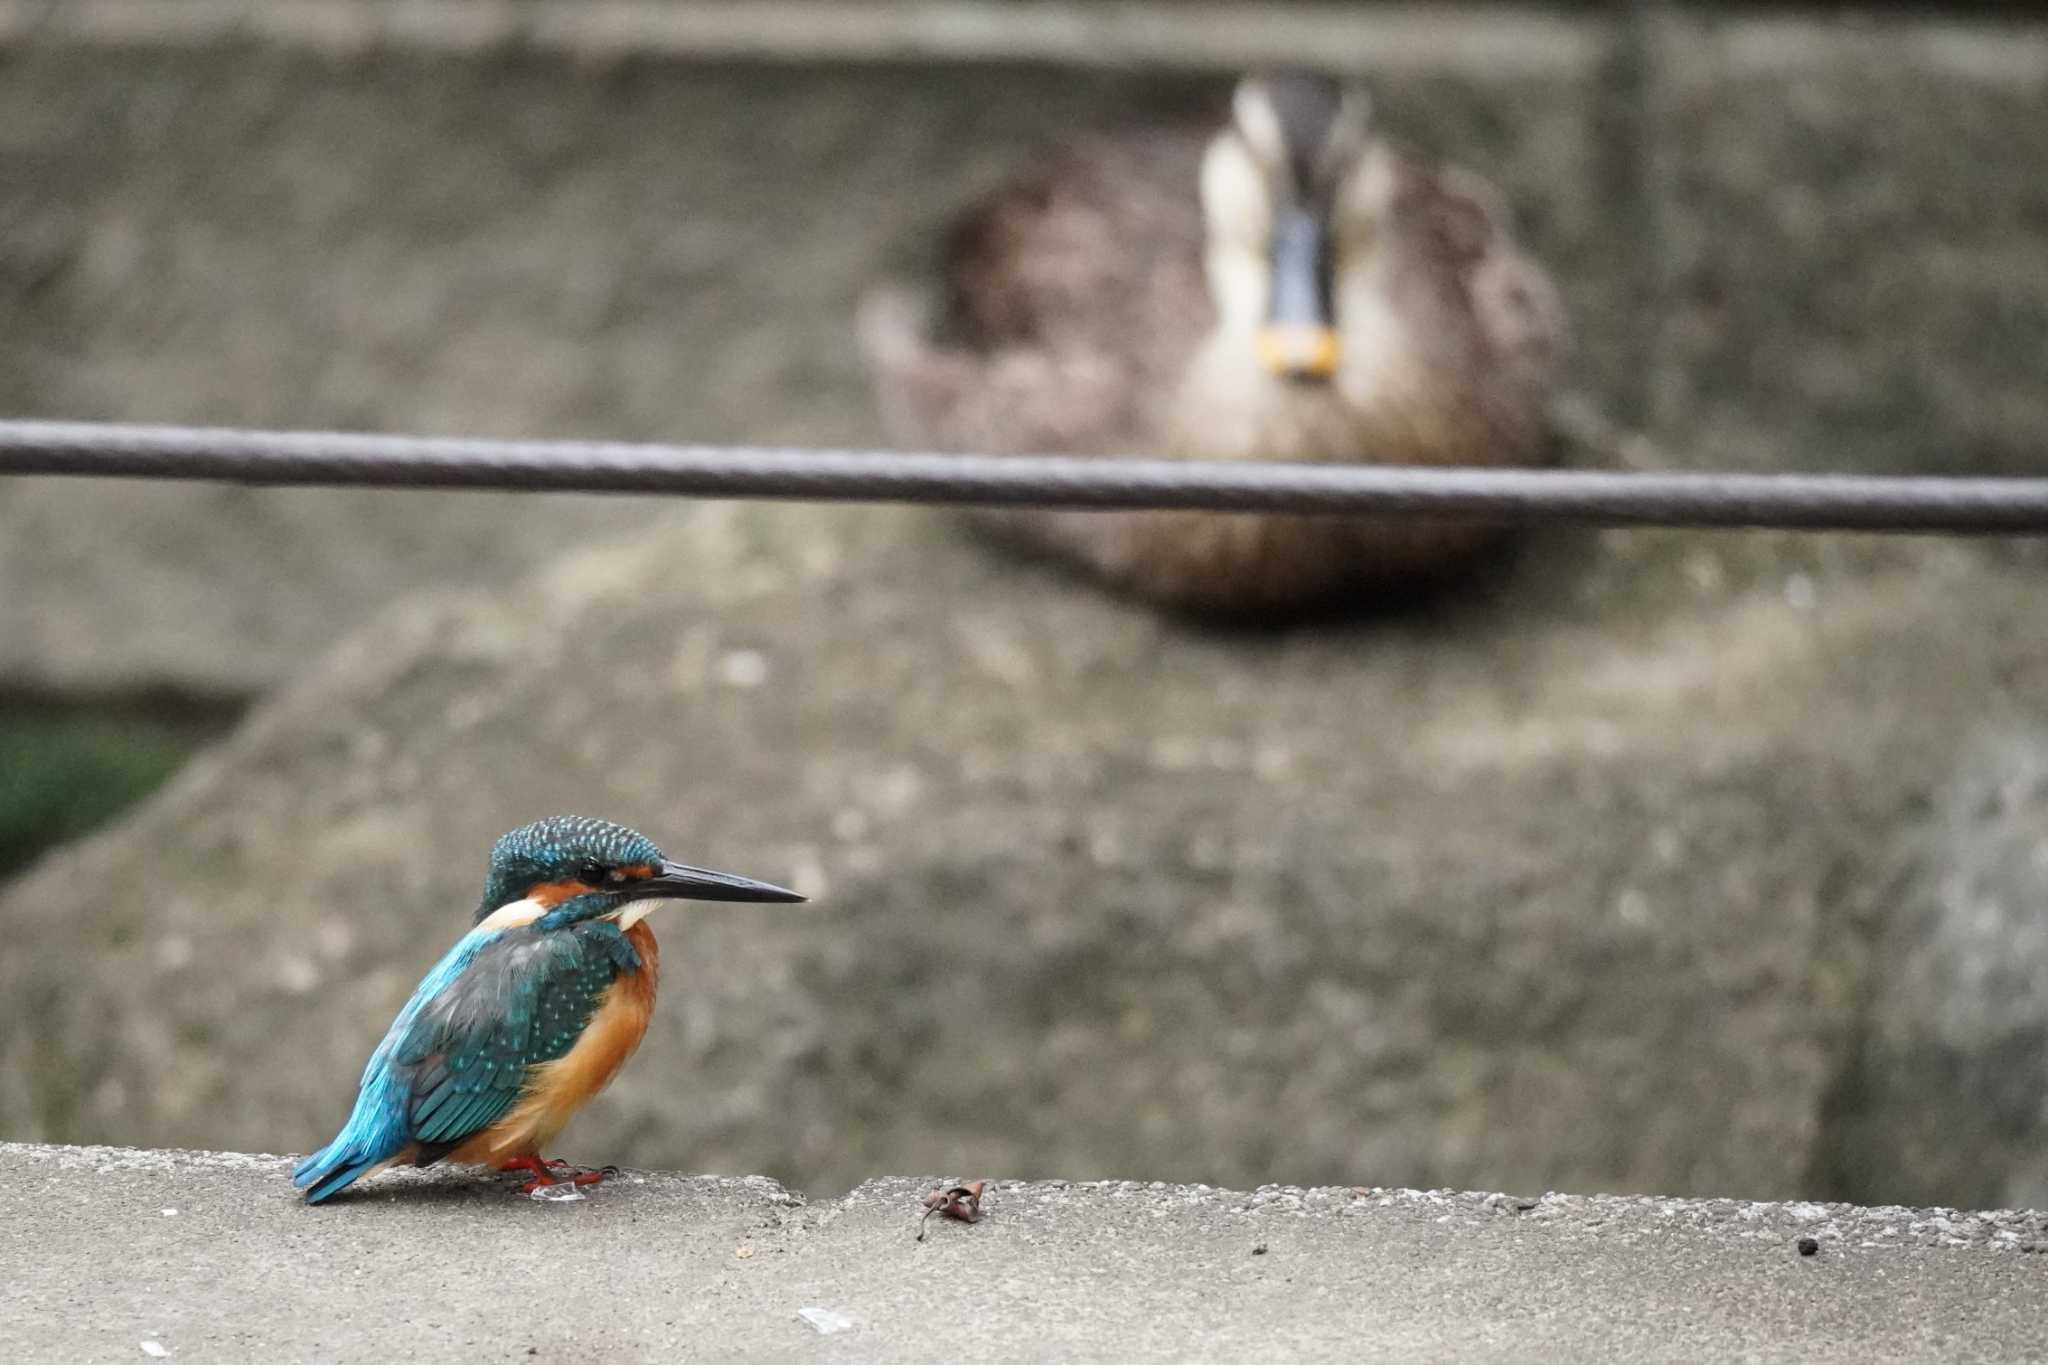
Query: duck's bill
[1299,352]
[681,882]
[1299,340]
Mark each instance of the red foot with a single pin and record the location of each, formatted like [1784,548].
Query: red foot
[546,1173]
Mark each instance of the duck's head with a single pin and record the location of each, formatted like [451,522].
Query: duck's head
[1289,207]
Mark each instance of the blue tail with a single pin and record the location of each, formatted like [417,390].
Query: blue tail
[378,1129]
[374,1133]
[331,1170]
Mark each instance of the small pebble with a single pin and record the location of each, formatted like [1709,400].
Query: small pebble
[1259,1250]
[1808,1246]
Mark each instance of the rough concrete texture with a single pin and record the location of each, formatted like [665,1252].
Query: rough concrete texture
[1492,896]
[209,1257]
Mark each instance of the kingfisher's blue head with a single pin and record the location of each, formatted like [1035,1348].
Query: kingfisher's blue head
[568,868]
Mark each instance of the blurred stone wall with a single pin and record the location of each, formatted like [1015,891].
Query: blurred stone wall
[1671,863]
[1785,244]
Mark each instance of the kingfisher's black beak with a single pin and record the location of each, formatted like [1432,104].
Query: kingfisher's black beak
[680,881]
[1299,340]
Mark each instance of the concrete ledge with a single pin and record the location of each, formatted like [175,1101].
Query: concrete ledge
[208,1256]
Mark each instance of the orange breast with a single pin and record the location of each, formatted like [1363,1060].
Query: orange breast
[556,1090]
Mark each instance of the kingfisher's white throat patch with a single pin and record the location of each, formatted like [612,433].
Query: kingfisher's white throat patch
[637,911]
[513,914]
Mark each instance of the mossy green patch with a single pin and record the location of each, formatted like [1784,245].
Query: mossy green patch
[63,775]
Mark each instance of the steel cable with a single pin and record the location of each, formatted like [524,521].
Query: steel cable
[1595,497]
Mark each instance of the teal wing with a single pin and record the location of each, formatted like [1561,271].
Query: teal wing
[523,1000]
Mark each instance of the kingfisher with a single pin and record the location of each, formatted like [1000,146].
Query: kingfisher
[529,1015]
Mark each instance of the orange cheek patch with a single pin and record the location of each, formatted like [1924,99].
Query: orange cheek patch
[551,894]
[639,872]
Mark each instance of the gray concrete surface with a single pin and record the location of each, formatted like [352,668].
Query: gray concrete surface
[209,1257]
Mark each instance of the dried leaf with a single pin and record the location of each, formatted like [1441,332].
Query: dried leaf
[962,1202]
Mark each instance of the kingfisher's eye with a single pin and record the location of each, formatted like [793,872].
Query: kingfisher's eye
[591,874]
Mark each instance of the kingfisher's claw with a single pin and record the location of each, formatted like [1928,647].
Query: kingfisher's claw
[548,1172]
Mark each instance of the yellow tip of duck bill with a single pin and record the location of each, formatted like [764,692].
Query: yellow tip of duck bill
[1299,350]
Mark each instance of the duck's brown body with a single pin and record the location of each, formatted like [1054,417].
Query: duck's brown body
[1073,315]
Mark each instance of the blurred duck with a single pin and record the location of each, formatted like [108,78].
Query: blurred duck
[1293,287]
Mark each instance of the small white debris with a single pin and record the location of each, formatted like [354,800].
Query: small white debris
[561,1192]
[743,668]
[168,1213]
[825,1320]
[1799,592]
[155,1350]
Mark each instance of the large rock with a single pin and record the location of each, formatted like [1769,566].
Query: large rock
[1575,888]
[1950,1088]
